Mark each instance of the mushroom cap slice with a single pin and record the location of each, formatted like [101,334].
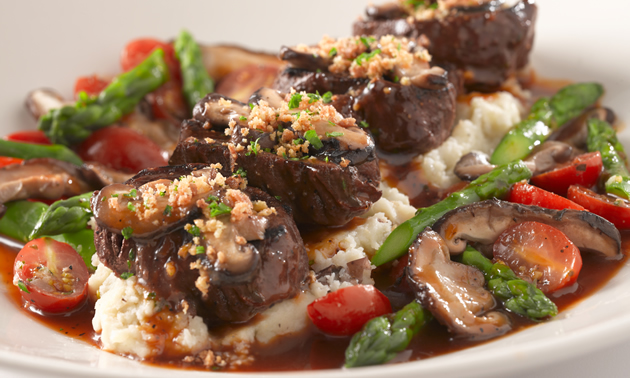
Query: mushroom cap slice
[453,292]
[483,222]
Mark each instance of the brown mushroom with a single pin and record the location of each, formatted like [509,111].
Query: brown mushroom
[453,292]
[483,222]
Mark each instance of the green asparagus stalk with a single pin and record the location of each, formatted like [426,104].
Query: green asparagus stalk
[71,124]
[495,183]
[196,82]
[64,216]
[32,151]
[385,336]
[603,138]
[545,116]
[518,296]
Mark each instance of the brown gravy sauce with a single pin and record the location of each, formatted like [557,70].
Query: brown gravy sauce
[313,350]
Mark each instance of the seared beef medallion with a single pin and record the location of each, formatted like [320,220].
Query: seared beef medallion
[294,147]
[489,40]
[386,83]
[207,244]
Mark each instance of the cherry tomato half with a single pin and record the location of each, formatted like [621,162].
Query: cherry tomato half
[613,209]
[583,170]
[92,85]
[29,136]
[5,160]
[531,195]
[139,49]
[51,276]
[539,253]
[345,311]
[122,149]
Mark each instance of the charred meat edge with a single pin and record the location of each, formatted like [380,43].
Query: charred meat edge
[483,222]
[453,292]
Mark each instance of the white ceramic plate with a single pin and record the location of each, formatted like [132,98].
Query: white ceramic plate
[51,43]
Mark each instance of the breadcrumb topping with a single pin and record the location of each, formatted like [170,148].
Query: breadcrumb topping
[368,57]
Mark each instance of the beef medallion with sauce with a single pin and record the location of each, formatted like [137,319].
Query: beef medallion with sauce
[489,40]
[207,244]
[294,147]
[386,83]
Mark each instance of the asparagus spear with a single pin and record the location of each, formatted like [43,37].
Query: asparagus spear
[196,82]
[603,138]
[495,183]
[64,216]
[518,296]
[32,151]
[385,336]
[546,115]
[71,124]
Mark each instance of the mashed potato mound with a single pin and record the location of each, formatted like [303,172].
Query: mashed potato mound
[481,127]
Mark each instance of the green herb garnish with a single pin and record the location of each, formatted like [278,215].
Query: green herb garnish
[127,232]
[295,100]
[167,210]
[364,57]
[313,139]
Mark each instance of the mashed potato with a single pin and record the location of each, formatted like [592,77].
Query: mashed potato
[481,127]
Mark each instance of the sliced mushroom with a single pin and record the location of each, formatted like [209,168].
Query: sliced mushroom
[453,292]
[51,179]
[548,156]
[232,266]
[575,132]
[42,101]
[483,222]
[543,158]
[306,61]
[220,60]
[472,165]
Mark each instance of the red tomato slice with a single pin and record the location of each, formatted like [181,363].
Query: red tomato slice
[51,275]
[613,209]
[583,170]
[539,253]
[531,195]
[4,161]
[137,50]
[92,85]
[345,311]
[30,136]
[122,149]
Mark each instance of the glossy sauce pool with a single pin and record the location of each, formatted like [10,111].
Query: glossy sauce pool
[313,350]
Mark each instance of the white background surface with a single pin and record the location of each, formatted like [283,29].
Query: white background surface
[49,44]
